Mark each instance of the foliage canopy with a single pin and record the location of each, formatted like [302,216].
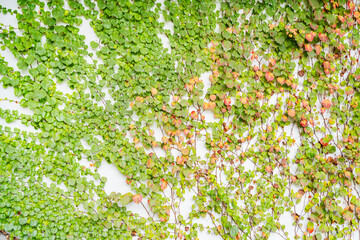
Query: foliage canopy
[280,119]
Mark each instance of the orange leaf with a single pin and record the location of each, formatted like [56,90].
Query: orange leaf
[137,198]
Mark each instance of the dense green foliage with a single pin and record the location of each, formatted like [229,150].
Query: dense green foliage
[280,121]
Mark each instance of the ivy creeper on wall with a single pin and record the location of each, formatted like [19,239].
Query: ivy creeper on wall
[273,133]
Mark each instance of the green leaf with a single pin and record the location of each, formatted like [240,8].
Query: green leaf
[109,107]
[58,13]
[6,80]
[138,89]
[94,44]
[234,231]
[29,60]
[280,38]
[332,149]
[40,94]
[33,222]
[126,198]
[227,45]
[314,3]
[138,67]
[23,221]
[331,18]
[22,64]
[41,51]
[71,182]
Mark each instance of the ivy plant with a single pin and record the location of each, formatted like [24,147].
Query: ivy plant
[273,132]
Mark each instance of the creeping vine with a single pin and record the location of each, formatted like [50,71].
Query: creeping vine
[247,111]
